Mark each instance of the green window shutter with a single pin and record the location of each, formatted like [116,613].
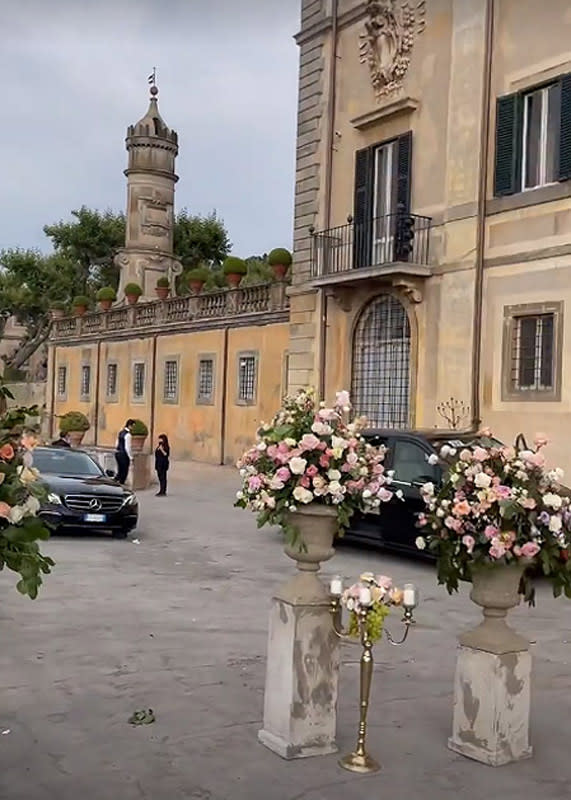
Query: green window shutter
[565,130]
[363,208]
[403,174]
[507,178]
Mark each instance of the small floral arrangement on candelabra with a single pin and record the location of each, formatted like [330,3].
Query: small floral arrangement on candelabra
[368,602]
[498,511]
[310,463]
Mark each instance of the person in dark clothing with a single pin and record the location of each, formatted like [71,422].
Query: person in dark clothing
[162,461]
[123,452]
[63,440]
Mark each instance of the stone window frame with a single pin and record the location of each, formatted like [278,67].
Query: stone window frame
[203,400]
[240,399]
[511,314]
[85,397]
[166,360]
[135,398]
[114,396]
[62,369]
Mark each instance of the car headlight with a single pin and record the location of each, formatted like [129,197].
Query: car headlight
[54,499]
[129,499]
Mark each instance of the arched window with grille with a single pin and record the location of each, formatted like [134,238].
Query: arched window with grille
[381,364]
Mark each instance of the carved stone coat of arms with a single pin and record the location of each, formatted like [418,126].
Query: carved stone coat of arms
[386,44]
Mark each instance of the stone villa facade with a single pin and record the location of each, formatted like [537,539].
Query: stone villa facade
[432,243]
[432,230]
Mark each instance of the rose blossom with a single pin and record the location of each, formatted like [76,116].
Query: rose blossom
[497,549]
[311,471]
[283,474]
[528,550]
[469,542]
[4,510]
[481,454]
[7,452]
[309,442]
[324,461]
[297,465]
[384,495]
[465,455]
[302,495]
[343,400]
[254,483]
[482,480]
[461,508]
[453,524]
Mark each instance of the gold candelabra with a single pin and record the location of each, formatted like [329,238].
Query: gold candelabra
[359,759]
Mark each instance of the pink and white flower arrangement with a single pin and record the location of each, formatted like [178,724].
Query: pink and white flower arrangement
[311,454]
[374,594]
[498,505]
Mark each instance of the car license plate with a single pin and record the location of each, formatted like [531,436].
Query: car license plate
[94,517]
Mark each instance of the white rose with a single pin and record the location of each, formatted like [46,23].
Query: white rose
[428,489]
[553,501]
[32,505]
[290,442]
[334,475]
[335,487]
[420,543]
[321,428]
[276,484]
[433,459]
[367,493]
[261,446]
[338,442]
[17,514]
[297,465]
[302,495]
[555,524]
[482,480]
[444,450]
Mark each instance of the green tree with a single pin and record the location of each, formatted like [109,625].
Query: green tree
[200,239]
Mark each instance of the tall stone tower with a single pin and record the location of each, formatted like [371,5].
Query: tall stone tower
[148,252]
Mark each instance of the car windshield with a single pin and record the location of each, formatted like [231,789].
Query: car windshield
[65,462]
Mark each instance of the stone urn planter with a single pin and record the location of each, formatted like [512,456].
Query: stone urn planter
[234,279]
[76,438]
[317,526]
[137,443]
[280,271]
[105,305]
[57,313]
[495,588]
[132,299]
[162,292]
[196,286]
[80,311]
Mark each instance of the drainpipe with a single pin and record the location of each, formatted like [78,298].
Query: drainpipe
[97,384]
[153,377]
[328,183]
[481,216]
[53,393]
[223,398]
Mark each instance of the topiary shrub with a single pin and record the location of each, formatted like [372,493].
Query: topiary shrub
[280,256]
[57,305]
[106,293]
[133,289]
[234,266]
[199,274]
[81,301]
[139,428]
[74,421]
[163,283]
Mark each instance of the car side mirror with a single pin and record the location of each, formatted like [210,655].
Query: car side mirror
[110,473]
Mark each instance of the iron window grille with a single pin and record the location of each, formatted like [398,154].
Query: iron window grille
[138,380]
[532,354]
[62,381]
[85,380]
[170,391]
[381,364]
[205,380]
[247,369]
[111,389]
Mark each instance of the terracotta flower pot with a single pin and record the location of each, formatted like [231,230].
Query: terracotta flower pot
[132,299]
[196,286]
[137,443]
[76,438]
[280,271]
[80,311]
[495,588]
[105,305]
[162,292]
[234,279]
[57,313]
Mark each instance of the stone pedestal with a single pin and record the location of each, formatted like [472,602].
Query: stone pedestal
[302,672]
[491,706]
[140,472]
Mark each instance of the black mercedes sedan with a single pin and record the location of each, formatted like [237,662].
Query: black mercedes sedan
[81,496]
[394,526]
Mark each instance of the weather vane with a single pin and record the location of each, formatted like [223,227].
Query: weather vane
[153,77]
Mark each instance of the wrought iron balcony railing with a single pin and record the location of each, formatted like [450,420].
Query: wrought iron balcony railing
[392,239]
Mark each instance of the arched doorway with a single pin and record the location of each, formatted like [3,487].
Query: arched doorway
[380,385]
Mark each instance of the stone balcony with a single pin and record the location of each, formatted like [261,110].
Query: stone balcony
[251,305]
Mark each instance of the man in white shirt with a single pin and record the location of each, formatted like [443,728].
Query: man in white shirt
[123,451]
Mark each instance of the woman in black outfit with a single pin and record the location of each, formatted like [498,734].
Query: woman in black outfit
[162,455]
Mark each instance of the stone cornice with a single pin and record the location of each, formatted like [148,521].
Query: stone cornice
[325,25]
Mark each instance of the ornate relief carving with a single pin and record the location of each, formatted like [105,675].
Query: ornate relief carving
[343,297]
[390,32]
[408,288]
[156,214]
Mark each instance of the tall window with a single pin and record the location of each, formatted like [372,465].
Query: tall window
[205,390]
[85,381]
[533,138]
[61,382]
[138,380]
[532,352]
[541,131]
[247,378]
[170,387]
[111,389]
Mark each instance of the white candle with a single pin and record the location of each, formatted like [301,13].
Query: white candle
[410,597]
[365,596]
[336,586]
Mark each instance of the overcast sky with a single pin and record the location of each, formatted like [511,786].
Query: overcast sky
[74,77]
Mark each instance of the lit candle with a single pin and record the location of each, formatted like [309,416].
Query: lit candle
[365,596]
[410,596]
[336,586]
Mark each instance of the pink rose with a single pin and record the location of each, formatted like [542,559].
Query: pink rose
[324,461]
[469,542]
[497,549]
[481,454]
[384,495]
[422,520]
[528,550]
[353,458]
[311,471]
[305,482]
[4,510]
[384,581]
[283,474]
[461,508]
[528,502]
[490,531]
[254,483]
[343,400]
[502,492]
[454,524]
[283,447]
[309,442]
